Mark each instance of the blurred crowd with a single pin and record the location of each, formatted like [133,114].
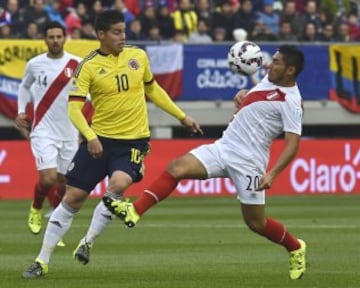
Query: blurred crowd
[191,21]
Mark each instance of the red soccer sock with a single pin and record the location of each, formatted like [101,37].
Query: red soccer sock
[55,195]
[40,193]
[277,232]
[157,191]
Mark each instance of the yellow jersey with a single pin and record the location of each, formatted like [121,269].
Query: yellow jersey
[116,85]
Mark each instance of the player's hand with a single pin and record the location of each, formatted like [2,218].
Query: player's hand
[265,182]
[22,125]
[239,98]
[95,148]
[21,121]
[191,125]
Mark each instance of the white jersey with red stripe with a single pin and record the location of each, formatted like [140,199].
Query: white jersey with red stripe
[48,81]
[267,111]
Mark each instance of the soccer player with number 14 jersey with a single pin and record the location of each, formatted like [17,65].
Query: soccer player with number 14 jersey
[53,138]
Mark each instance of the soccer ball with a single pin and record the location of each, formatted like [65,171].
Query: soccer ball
[245,58]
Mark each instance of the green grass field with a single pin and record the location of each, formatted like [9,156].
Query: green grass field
[193,243]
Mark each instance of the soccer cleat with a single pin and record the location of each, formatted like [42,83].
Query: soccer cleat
[82,252]
[37,269]
[297,261]
[123,209]
[61,243]
[35,219]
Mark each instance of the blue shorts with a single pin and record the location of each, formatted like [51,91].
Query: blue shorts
[85,172]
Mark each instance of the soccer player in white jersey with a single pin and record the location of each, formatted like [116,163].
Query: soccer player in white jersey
[272,107]
[53,138]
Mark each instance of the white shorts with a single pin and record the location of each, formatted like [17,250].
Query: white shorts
[245,174]
[50,153]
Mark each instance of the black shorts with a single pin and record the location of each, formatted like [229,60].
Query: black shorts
[85,172]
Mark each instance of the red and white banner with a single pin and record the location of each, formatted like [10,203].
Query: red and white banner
[167,66]
[321,167]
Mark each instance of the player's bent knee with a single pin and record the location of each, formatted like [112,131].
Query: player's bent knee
[74,197]
[177,168]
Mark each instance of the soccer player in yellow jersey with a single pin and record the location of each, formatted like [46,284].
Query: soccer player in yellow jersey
[117,78]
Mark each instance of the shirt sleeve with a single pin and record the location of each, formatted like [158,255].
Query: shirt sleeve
[148,75]
[292,117]
[24,94]
[80,83]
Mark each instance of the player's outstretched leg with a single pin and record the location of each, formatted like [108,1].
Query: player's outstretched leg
[37,269]
[297,261]
[123,209]
[82,252]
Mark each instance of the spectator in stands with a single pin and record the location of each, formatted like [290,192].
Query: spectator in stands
[52,8]
[286,33]
[16,17]
[204,11]
[224,17]
[75,34]
[166,23]
[37,14]
[5,16]
[95,9]
[119,5]
[5,31]
[201,36]
[75,17]
[180,37]
[185,18]
[262,32]
[219,34]
[235,6]
[65,5]
[267,16]
[148,17]
[310,33]
[245,17]
[310,15]
[154,33]
[327,34]
[342,33]
[354,27]
[135,31]
[133,6]
[88,30]
[290,15]
[32,31]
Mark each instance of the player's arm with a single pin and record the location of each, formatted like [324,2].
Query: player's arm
[24,98]
[75,106]
[161,99]
[77,98]
[292,141]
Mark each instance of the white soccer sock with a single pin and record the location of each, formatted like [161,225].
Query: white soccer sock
[102,217]
[59,223]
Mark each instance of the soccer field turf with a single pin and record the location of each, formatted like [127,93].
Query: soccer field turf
[193,243]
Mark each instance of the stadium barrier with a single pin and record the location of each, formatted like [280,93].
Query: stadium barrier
[321,167]
[201,72]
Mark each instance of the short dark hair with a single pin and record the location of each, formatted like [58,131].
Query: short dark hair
[52,25]
[107,18]
[293,57]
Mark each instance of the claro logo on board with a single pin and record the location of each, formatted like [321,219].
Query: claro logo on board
[311,175]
